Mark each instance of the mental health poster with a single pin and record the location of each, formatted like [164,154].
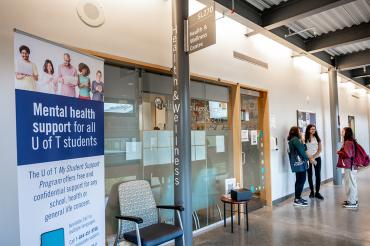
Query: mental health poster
[59,97]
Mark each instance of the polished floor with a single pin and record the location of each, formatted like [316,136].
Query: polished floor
[322,223]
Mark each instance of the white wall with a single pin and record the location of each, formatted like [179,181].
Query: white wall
[352,103]
[141,29]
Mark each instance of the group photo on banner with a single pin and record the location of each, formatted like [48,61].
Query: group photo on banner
[59,96]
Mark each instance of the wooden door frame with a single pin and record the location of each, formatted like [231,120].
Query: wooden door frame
[264,125]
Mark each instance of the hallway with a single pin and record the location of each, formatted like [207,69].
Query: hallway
[322,223]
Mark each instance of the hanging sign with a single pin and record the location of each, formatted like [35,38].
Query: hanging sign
[202,29]
[60,144]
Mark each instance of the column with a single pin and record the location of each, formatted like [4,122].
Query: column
[335,124]
[181,108]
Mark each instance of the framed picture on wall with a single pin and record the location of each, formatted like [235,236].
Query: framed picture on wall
[305,118]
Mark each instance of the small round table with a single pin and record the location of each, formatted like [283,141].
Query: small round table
[227,200]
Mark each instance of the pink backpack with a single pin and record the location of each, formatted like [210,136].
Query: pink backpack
[361,159]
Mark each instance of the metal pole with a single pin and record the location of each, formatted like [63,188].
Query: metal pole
[181,106]
[335,124]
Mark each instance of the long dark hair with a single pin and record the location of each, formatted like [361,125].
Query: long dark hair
[348,134]
[47,61]
[293,132]
[307,136]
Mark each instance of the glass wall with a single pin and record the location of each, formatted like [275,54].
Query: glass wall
[139,141]
[157,121]
[212,160]
[138,136]
[123,145]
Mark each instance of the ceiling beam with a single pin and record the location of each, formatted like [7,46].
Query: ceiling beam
[295,39]
[287,12]
[241,8]
[299,42]
[345,36]
[353,60]
[361,81]
[360,73]
[248,15]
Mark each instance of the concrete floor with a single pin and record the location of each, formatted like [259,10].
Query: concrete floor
[322,223]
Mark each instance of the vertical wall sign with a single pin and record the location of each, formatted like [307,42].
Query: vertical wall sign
[60,144]
[176,105]
[202,29]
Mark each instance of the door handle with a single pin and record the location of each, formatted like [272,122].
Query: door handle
[243,158]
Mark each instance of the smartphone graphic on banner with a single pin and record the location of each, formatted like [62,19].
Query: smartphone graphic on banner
[53,238]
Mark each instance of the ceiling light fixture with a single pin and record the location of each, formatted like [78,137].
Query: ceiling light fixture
[299,32]
[91,12]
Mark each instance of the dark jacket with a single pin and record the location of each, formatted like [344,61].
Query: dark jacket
[297,154]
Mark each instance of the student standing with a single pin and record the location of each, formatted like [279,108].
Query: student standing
[345,160]
[313,143]
[298,163]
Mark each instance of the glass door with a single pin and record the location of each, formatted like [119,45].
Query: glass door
[252,151]
[211,143]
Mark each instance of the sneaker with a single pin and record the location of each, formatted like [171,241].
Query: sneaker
[300,203]
[312,194]
[347,202]
[319,196]
[304,200]
[351,205]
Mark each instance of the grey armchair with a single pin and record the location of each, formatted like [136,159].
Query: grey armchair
[139,222]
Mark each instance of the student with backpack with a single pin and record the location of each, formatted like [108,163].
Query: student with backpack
[350,157]
[298,163]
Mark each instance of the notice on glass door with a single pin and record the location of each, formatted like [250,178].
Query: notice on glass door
[244,136]
[220,144]
[60,144]
[254,137]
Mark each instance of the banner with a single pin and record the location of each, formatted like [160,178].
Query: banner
[59,97]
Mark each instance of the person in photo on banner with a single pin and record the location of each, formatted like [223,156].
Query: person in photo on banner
[84,81]
[25,71]
[48,82]
[67,75]
[98,87]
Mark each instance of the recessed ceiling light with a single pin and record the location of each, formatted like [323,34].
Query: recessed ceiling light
[91,12]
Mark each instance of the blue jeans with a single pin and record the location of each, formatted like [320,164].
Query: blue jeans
[299,184]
